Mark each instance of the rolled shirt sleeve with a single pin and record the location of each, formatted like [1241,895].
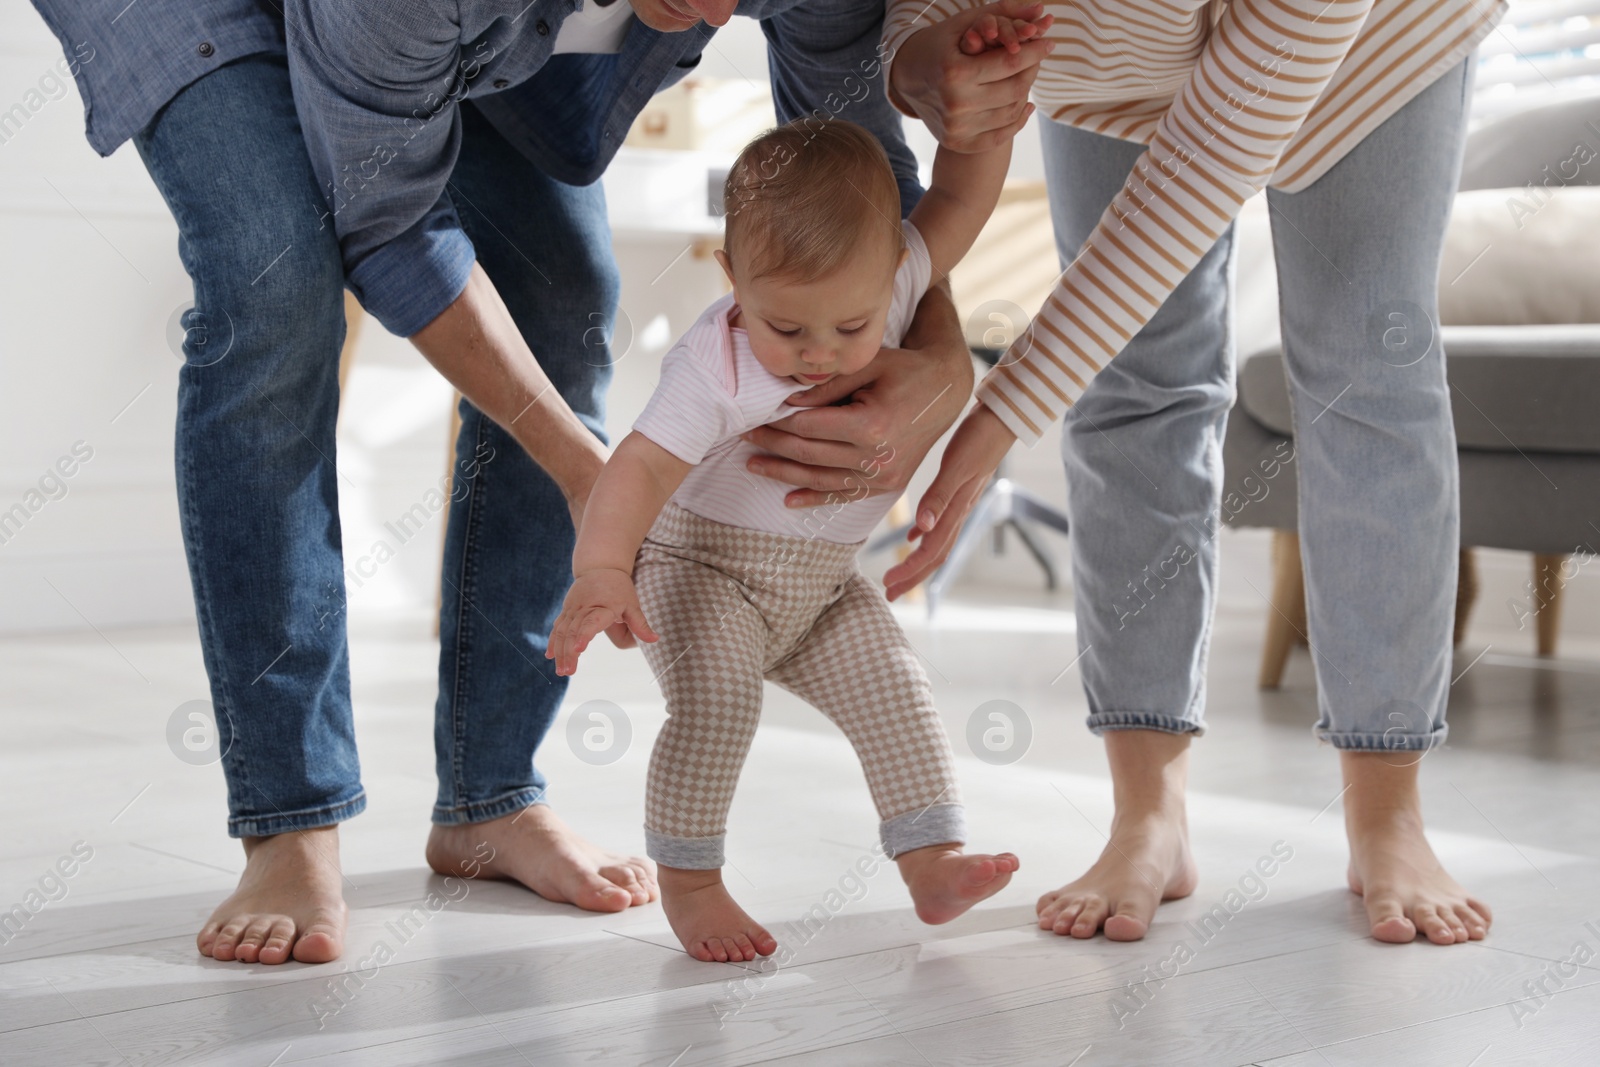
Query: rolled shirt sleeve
[826,58]
[377,91]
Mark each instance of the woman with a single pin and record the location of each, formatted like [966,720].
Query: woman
[1164,116]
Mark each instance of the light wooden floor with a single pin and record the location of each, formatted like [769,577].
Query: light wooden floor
[108,974]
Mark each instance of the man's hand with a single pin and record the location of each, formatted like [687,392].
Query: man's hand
[969,462]
[971,103]
[894,412]
[598,600]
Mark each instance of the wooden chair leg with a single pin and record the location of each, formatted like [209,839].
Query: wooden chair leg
[1286,619]
[1466,593]
[1548,582]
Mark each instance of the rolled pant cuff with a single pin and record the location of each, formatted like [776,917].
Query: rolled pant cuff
[1102,721]
[283,822]
[939,824]
[685,853]
[484,810]
[1356,741]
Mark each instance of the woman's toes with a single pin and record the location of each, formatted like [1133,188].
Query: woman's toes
[1126,924]
[207,937]
[1471,921]
[1088,919]
[1433,928]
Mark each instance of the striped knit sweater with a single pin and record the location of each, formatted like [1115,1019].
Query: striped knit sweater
[1230,97]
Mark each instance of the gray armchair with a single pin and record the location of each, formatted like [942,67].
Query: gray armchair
[1526,396]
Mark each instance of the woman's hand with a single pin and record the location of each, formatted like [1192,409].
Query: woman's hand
[599,600]
[970,103]
[969,462]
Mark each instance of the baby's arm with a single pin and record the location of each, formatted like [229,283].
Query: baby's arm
[966,186]
[635,485]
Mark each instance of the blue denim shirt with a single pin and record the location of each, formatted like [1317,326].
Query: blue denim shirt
[378,89]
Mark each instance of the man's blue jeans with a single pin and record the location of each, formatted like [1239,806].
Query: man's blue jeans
[258,399]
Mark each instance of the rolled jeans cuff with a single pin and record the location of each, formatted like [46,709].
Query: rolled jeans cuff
[1394,741]
[483,810]
[283,822]
[939,824]
[1102,721]
[685,853]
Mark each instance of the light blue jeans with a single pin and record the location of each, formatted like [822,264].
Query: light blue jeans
[1374,448]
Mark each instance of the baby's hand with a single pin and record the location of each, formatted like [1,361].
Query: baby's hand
[598,600]
[1002,31]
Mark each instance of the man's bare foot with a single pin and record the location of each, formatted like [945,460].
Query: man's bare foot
[288,902]
[944,882]
[711,926]
[534,847]
[1146,859]
[1392,866]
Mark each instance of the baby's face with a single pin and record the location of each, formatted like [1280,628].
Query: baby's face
[816,331]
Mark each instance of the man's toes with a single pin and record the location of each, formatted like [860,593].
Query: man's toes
[627,878]
[207,937]
[279,939]
[255,933]
[321,942]
[595,893]
[1127,924]
[227,938]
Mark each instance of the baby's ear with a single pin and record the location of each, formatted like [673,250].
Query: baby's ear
[727,266]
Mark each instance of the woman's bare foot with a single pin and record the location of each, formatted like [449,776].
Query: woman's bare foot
[711,926]
[534,847]
[1146,859]
[288,902]
[944,882]
[1392,866]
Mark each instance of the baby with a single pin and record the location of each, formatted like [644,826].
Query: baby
[679,540]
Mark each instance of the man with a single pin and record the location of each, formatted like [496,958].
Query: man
[450,144]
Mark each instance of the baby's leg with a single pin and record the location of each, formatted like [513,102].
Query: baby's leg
[708,664]
[857,668]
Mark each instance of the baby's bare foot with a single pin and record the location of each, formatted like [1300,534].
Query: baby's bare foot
[288,902]
[711,926]
[536,848]
[944,882]
[1146,861]
[1404,886]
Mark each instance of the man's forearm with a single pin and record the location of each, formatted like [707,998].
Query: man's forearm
[476,345]
[936,329]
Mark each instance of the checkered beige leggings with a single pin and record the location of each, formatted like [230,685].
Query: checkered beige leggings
[734,606]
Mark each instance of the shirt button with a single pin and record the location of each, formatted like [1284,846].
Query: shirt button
[206,49]
[501,83]
[543,28]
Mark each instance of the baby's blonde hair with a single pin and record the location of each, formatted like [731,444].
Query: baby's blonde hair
[804,197]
